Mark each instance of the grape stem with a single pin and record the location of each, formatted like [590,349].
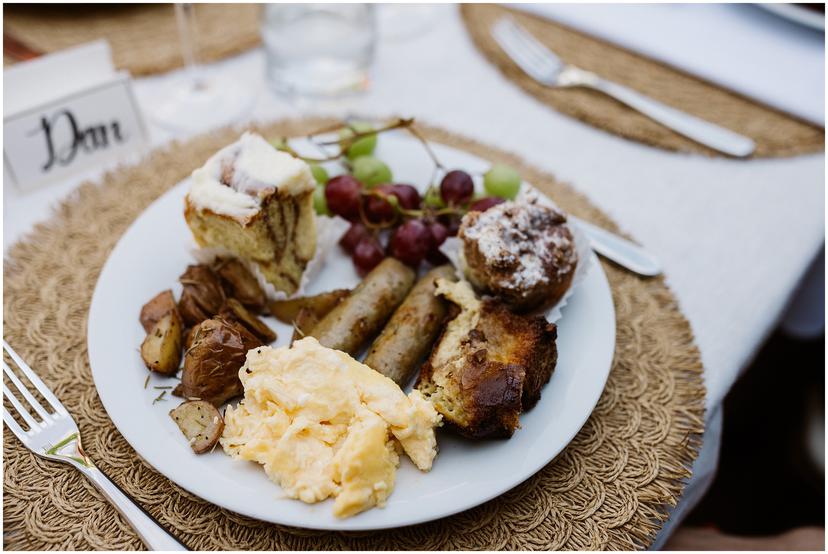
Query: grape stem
[347,142]
[382,224]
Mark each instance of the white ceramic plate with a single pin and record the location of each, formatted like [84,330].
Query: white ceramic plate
[155,251]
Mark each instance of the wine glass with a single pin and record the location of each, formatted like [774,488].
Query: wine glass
[194,101]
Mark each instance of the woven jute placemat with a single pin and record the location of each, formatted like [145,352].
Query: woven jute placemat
[609,489]
[143,37]
[775,133]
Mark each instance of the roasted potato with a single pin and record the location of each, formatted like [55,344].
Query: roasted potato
[200,422]
[233,310]
[287,311]
[360,316]
[202,297]
[161,349]
[304,323]
[188,338]
[161,304]
[212,363]
[412,330]
[240,284]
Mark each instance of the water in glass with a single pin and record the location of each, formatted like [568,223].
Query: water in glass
[319,49]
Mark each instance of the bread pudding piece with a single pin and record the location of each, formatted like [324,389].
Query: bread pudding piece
[488,365]
[522,252]
[257,203]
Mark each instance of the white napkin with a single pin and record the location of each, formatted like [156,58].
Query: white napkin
[738,46]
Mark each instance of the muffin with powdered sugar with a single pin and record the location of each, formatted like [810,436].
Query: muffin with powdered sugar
[522,252]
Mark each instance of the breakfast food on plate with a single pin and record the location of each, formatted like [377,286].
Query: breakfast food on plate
[160,305]
[256,202]
[240,284]
[200,422]
[522,252]
[361,315]
[488,365]
[161,349]
[286,311]
[324,425]
[411,331]
[202,295]
[212,362]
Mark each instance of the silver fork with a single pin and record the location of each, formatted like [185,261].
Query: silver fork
[54,435]
[544,66]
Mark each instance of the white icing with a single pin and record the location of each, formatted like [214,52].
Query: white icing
[207,193]
[237,177]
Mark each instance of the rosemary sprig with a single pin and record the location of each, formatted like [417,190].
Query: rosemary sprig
[160,397]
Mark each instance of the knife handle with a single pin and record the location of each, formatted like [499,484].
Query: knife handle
[692,127]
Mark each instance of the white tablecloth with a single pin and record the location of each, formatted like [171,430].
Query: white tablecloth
[735,237]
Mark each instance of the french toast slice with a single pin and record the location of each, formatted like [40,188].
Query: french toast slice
[488,366]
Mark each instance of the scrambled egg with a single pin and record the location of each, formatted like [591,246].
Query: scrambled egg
[322,424]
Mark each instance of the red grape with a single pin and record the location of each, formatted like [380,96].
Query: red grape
[451,222]
[367,255]
[485,203]
[439,234]
[356,233]
[343,196]
[410,242]
[457,187]
[408,196]
[377,208]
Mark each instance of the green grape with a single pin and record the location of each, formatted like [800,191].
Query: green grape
[433,198]
[319,173]
[371,171]
[361,147]
[501,180]
[320,203]
[280,144]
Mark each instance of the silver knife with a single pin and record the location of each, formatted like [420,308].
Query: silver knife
[619,250]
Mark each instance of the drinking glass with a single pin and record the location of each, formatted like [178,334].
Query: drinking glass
[319,49]
[194,101]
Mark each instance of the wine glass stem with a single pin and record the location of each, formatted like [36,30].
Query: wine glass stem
[185,17]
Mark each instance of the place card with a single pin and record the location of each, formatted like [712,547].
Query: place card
[66,112]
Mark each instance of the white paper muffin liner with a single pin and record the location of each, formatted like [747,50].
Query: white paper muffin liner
[328,232]
[453,249]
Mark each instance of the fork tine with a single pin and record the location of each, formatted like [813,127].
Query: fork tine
[25,392]
[515,51]
[527,39]
[35,380]
[15,427]
[542,59]
[24,413]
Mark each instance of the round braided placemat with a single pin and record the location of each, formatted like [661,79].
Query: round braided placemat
[609,489]
[775,133]
[143,37]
